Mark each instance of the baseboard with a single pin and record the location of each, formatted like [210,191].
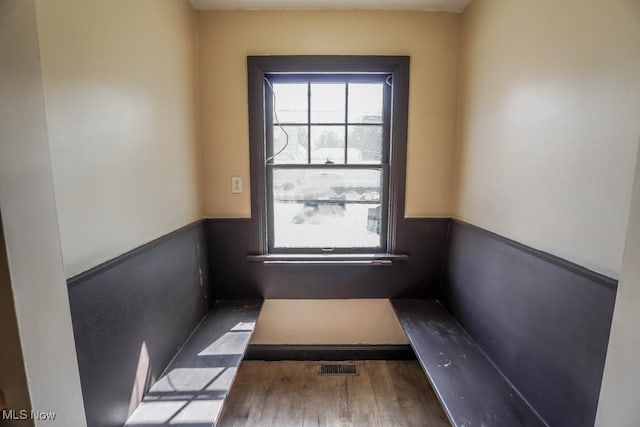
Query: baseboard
[271,352]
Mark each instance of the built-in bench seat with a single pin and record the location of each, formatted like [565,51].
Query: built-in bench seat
[471,389]
[192,390]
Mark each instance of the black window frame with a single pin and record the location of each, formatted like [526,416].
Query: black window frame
[382,166]
[396,69]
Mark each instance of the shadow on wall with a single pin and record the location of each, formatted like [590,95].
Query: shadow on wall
[131,316]
[13,381]
[192,390]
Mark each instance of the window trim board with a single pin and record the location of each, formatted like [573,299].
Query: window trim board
[397,66]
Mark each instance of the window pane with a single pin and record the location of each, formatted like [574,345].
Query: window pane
[327,103]
[365,144]
[327,143]
[365,102]
[296,140]
[322,208]
[290,103]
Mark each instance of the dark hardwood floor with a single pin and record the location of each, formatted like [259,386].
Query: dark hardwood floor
[288,394]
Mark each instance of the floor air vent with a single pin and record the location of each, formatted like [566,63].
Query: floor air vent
[338,369]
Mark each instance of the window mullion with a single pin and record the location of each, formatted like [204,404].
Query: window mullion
[269,134]
[309,122]
[346,120]
[331,166]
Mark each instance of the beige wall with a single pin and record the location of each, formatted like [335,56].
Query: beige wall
[31,234]
[120,83]
[549,124]
[226,38]
[618,404]
[364,321]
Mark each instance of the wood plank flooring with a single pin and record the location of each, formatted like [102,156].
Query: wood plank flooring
[292,394]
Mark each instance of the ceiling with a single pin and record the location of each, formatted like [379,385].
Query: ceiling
[423,5]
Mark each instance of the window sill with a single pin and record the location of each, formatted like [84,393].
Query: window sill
[328,259]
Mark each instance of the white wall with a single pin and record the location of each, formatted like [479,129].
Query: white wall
[618,404]
[31,229]
[121,96]
[548,124]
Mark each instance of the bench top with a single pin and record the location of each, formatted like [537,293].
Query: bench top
[192,390]
[470,388]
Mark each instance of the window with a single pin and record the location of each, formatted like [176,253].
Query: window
[327,151]
[328,143]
